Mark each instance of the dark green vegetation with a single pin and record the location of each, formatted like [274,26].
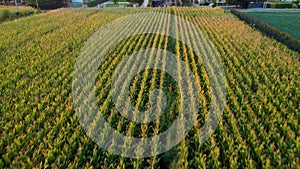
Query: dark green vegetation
[10,13]
[39,127]
[47,4]
[93,3]
[280,5]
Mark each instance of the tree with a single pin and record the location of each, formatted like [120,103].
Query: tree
[243,3]
[47,4]
[140,2]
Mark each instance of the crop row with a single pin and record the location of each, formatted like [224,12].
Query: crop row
[39,127]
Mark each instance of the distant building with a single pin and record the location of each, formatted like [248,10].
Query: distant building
[199,2]
[157,3]
[75,3]
[78,1]
[171,2]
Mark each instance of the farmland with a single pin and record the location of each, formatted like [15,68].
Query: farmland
[288,22]
[10,12]
[39,126]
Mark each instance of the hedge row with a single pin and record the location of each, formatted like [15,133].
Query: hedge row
[270,31]
[93,3]
[9,14]
[281,5]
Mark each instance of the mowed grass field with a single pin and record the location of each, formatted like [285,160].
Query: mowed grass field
[288,22]
[39,127]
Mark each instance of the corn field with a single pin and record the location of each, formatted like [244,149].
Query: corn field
[39,128]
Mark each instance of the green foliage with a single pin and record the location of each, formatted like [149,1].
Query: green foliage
[112,5]
[129,5]
[1,164]
[4,15]
[9,13]
[93,3]
[294,6]
[250,6]
[281,5]
[48,4]
[140,2]
[259,127]
[243,3]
